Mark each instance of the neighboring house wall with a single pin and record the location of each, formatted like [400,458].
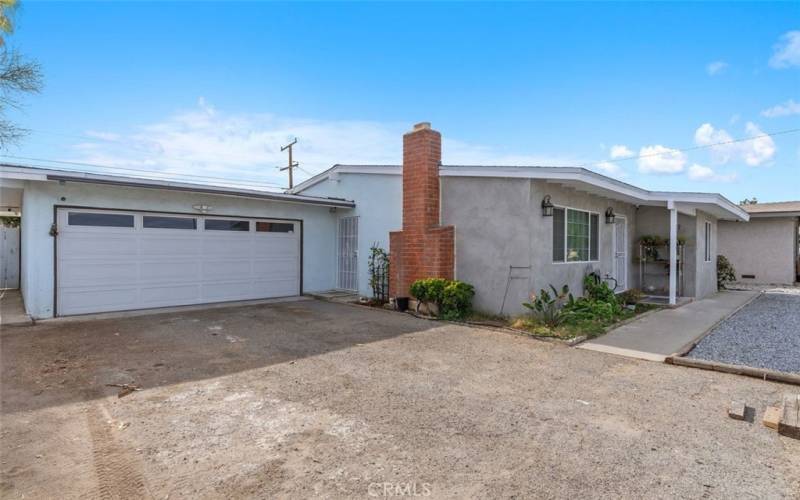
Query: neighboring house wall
[379,199]
[39,199]
[764,247]
[499,223]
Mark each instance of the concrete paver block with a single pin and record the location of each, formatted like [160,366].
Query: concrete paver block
[772,416]
[789,424]
[736,410]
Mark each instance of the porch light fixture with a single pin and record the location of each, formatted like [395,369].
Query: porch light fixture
[611,217]
[547,206]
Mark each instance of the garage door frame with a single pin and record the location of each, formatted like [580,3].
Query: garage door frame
[56,208]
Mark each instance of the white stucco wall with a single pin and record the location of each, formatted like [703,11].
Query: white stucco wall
[40,198]
[379,202]
[764,247]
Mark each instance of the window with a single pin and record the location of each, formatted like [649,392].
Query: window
[558,235]
[575,235]
[99,219]
[227,225]
[708,241]
[274,227]
[161,222]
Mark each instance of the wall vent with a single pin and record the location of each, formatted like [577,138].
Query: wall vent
[749,276]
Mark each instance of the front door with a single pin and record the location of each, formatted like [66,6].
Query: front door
[621,253]
[348,253]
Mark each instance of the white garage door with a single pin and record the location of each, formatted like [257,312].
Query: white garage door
[118,260]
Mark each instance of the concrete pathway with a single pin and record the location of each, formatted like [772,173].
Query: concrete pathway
[663,333]
[12,310]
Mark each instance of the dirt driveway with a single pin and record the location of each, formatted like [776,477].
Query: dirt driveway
[318,399]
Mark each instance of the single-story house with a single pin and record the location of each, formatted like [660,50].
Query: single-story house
[764,250]
[97,242]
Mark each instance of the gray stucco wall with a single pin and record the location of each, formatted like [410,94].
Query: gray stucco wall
[499,223]
[764,247]
[39,198]
[379,200]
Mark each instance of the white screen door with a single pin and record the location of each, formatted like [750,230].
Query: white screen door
[348,253]
[621,253]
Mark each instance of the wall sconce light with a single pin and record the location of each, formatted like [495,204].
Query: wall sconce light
[203,208]
[611,217]
[547,206]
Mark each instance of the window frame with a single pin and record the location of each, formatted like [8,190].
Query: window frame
[707,239]
[196,219]
[84,227]
[566,235]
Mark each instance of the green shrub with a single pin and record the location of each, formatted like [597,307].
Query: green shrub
[586,309]
[453,298]
[429,290]
[595,289]
[725,272]
[456,301]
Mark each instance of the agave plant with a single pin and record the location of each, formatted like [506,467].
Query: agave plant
[546,307]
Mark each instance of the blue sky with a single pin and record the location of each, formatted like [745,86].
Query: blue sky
[213,89]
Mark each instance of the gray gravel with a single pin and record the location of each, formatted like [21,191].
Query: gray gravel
[764,334]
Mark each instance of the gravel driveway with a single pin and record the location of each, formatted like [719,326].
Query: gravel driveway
[763,334]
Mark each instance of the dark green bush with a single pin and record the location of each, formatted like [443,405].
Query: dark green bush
[725,272]
[453,298]
[595,289]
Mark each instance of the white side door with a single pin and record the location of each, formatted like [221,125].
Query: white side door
[621,253]
[348,253]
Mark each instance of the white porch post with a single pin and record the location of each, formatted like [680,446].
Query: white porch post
[673,252]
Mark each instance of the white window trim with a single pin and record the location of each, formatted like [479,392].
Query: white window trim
[600,221]
[707,257]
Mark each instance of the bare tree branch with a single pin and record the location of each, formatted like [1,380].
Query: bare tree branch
[17,76]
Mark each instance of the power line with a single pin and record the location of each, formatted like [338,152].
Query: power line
[253,182]
[684,150]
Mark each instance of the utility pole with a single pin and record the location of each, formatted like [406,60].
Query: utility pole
[292,164]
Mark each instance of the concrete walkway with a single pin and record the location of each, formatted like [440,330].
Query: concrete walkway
[663,333]
[12,310]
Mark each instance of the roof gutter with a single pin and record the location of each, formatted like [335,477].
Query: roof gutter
[293,198]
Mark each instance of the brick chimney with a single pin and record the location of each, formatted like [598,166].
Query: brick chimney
[423,249]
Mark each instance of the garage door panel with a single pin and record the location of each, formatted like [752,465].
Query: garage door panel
[169,271]
[275,246]
[155,246]
[230,290]
[94,244]
[285,268]
[276,288]
[237,245]
[81,301]
[95,273]
[156,296]
[113,269]
[227,270]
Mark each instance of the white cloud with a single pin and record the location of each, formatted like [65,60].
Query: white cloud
[787,108]
[786,52]
[701,173]
[620,151]
[658,159]
[716,67]
[753,152]
[610,168]
[205,141]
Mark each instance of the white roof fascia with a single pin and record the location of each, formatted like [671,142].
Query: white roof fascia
[44,174]
[346,169]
